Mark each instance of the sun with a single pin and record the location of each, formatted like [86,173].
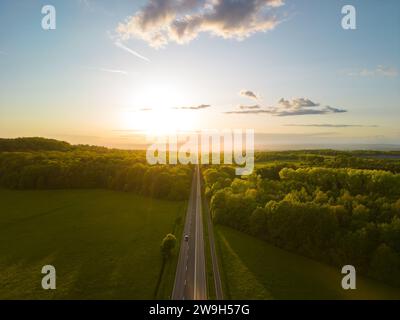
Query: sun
[157,110]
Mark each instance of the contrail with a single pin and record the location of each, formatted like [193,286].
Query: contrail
[122,46]
[108,70]
[113,71]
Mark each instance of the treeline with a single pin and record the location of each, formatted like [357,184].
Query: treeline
[33,144]
[337,216]
[89,167]
[369,160]
[261,156]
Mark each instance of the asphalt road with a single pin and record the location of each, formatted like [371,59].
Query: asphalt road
[190,278]
[214,260]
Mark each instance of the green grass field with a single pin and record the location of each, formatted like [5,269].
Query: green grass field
[253,269]
[104,244]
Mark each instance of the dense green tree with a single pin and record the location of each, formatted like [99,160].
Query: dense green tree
[90,167]
[385,265]
[336,215]
[167,245]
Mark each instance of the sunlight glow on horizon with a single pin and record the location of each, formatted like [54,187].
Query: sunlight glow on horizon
[158,122]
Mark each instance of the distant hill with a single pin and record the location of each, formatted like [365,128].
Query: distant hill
[342,147]
[43,144]
[33,144]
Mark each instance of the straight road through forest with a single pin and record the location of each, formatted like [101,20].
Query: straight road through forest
[190,279]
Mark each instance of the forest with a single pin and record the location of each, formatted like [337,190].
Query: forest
[38,163]
[361,159]
[335,207]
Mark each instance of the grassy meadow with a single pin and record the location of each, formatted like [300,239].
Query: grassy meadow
[267,272]
[104,244]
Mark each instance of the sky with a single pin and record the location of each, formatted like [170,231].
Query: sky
[285,68]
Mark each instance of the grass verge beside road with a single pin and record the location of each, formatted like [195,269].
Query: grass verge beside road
[254,269]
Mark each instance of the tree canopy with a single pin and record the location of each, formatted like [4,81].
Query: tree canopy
[339,216]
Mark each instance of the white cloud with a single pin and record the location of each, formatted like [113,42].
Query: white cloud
[297,103]
[249,94]
[380,70]
[160,22]
[86,3]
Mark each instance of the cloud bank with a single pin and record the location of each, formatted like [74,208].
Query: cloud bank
[255,107]
[200,107]
[285,108]
[160,22]
[324,125]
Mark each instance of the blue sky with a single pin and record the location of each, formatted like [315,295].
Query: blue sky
[75,83]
